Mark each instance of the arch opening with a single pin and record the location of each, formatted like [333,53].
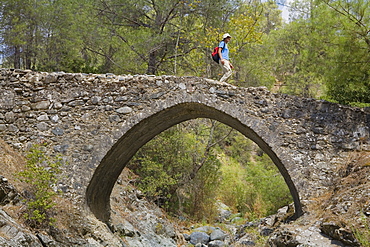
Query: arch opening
[101,185]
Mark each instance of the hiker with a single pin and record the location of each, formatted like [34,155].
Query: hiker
[224,61]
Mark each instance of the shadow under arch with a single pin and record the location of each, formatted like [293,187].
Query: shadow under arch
[106,174]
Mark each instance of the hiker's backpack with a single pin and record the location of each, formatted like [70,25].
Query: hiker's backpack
[215,55]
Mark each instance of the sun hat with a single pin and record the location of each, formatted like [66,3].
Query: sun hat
[226,35]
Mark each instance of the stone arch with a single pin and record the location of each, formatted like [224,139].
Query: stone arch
[103,180]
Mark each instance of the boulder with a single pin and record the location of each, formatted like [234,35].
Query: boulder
[199,237]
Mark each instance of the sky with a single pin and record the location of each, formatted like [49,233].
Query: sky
[284,7]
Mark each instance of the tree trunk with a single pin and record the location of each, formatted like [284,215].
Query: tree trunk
[152,64]
[17,57]
[108,64]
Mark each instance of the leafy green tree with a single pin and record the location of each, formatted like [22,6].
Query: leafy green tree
[15,27]
[323,52]
[348,79]
[44,35]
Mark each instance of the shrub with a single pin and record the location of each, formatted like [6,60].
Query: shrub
[40,174]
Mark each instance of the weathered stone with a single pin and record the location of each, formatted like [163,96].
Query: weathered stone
[125,229]
[199,237]
[10,117]
[42,126]
[217,243]
[186,237]
[121,98]
[43,105]
[61,148]
[54,118]
[25,108]
[95,100]
[44,117]
[58,105]
[336,232]
[217,234]
[283,238]
[12,128]
[57,131]
[124,110]
[51,78]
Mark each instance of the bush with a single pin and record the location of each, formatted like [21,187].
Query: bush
[40,174]
[255,188]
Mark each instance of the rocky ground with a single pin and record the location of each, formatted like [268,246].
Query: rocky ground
[338,218]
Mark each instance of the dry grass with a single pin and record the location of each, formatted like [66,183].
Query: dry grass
[351,189]
[11,162]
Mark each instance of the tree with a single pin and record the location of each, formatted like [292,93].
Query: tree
[250,25]
[162,35]
[348,80]
[43,34]
[15,27]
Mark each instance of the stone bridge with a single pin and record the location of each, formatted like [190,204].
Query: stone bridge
[98,122]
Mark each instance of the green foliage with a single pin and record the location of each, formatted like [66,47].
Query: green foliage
[363,235]
[168,169]
[191,166]
[40,174]
[255,189]
[322,52]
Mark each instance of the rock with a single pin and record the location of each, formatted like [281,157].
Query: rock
[266,231]
[200,245]
[95,100]
[58,131]
[336,232]
[114,118]
[248,243]
[54,118]
[46,240]
[8,194]
[217,243]
[42,105]
[10,117]
[125,229]
[12,234]
[224,211]
[124,110]
[217,234]
[206,229]
[186,237]
[199,237]
[42,126]
[61,148]
[43,118]
[283,239]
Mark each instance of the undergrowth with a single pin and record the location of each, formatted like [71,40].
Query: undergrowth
[41,174]
[363,234]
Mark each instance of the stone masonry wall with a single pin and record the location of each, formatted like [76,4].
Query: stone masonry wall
[84,116]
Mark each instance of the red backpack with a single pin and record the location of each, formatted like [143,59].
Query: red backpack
[215,55]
